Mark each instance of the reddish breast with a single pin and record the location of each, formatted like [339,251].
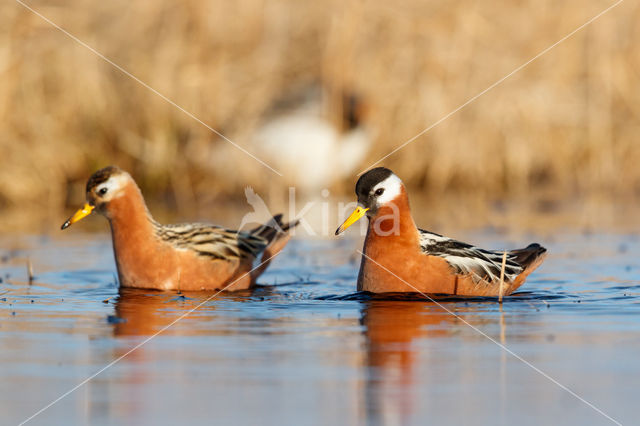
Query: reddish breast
[393,261]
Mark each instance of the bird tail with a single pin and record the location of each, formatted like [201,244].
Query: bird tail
[277,235]
[273,228]
[529,257]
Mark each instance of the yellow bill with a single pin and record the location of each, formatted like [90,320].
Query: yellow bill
[79,215]
[353,218]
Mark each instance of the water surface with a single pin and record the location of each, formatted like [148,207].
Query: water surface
[305,349]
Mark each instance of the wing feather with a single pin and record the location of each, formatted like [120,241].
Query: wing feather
[212,241]
[482,265]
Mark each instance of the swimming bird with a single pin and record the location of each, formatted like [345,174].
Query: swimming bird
[190,256]
[312,151]
[400,257]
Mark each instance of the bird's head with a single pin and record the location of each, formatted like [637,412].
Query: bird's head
[103,187]
[375,189]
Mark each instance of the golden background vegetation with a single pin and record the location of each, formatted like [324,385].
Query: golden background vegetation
[566,124]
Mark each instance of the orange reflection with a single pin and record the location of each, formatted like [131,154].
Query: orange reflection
[391,330]
[141,312]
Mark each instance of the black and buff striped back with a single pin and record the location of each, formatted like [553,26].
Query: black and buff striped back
[220,243]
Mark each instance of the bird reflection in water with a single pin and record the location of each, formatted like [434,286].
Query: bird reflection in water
[140,312]
[149,360]
[394,360]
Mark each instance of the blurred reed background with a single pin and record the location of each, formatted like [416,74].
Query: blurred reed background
[566,126]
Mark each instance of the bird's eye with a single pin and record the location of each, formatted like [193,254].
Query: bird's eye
[102,191]
[379,191]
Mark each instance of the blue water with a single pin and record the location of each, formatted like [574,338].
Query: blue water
[304,348]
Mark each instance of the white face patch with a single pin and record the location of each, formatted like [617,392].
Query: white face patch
[391,186]
[113,186]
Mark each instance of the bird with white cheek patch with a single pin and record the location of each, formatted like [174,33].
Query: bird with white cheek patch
[400,257]
[190,256]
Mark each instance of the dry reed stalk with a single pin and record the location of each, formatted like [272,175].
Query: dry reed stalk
[504,264]
[30,271]
[503,327]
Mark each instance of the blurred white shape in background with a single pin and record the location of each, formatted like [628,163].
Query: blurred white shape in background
[311,150]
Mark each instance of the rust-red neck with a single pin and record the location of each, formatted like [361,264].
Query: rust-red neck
[394,220]
[128,213]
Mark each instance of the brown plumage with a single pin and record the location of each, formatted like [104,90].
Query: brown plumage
[399,257]
[189,256]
